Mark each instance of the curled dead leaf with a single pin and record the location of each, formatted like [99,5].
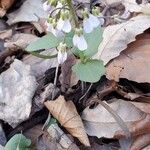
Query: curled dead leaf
[141,141]
[20,40]
[133,63]
[66,77]
[117,37]
[99,122]
[136,128]
[67,115]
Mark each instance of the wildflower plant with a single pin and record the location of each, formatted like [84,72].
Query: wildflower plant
[69,34]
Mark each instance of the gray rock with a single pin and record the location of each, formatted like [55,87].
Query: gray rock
[17,87]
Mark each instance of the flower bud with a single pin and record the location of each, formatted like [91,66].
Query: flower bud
[85,13]
[79,31]
[62,54]
[53,2]
[62,47]
[96,11]
[63,2]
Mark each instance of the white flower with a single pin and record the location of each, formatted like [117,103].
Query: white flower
[55,9]
[61,57]
[90,22]
[64,25]
[49,26]
[80,42]
[46,6]
[62,54]
[52,28]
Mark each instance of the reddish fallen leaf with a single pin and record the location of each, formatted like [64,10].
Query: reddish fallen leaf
[141,142]
[4,6]
[133,63]
[137,128]
[66,73]
[66,114]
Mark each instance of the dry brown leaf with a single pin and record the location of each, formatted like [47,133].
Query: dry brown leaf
[20,40]
[67,73]
[146,9]
[136,128]
[62,139]
[145,107]
[140,142]
[33,134]
[5,34]
[99,122]
[66,114]
[133,63]
[146,148]
[39,65]
[4,6]
[30,11]
[117,37]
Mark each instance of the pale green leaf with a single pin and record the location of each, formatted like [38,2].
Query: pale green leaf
[47,41]
[93,40]
[18,142]
[91,71]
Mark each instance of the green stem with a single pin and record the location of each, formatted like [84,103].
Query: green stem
[73,12]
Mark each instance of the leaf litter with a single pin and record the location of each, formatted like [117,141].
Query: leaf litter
[29,83]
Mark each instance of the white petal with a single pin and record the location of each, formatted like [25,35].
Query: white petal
[49,27]
[59,5]
[61,57]
[102,21]
[67,26]
[75,40]
[46,6]
[87,26]
[82,44]
[57,33]
[94,21]
[60,24]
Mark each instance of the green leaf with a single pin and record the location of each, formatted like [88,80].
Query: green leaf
[47,41]
[68,39]
[93,40]
[42,56]
[18,142]
[91,71]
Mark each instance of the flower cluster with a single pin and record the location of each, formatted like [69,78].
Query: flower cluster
[60,21]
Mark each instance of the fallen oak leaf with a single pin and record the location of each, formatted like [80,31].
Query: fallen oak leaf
[67,115]
[141,142]
[136,128]
[133,63]
[20,40]
[30,11]
[4,6]
[63,140]
[145,107]
[67,73]
[117,37]
[99,122]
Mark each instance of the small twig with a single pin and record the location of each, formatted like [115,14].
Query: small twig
[82,86]
[59,8]
[85,93]
[118,119]
[56,75]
